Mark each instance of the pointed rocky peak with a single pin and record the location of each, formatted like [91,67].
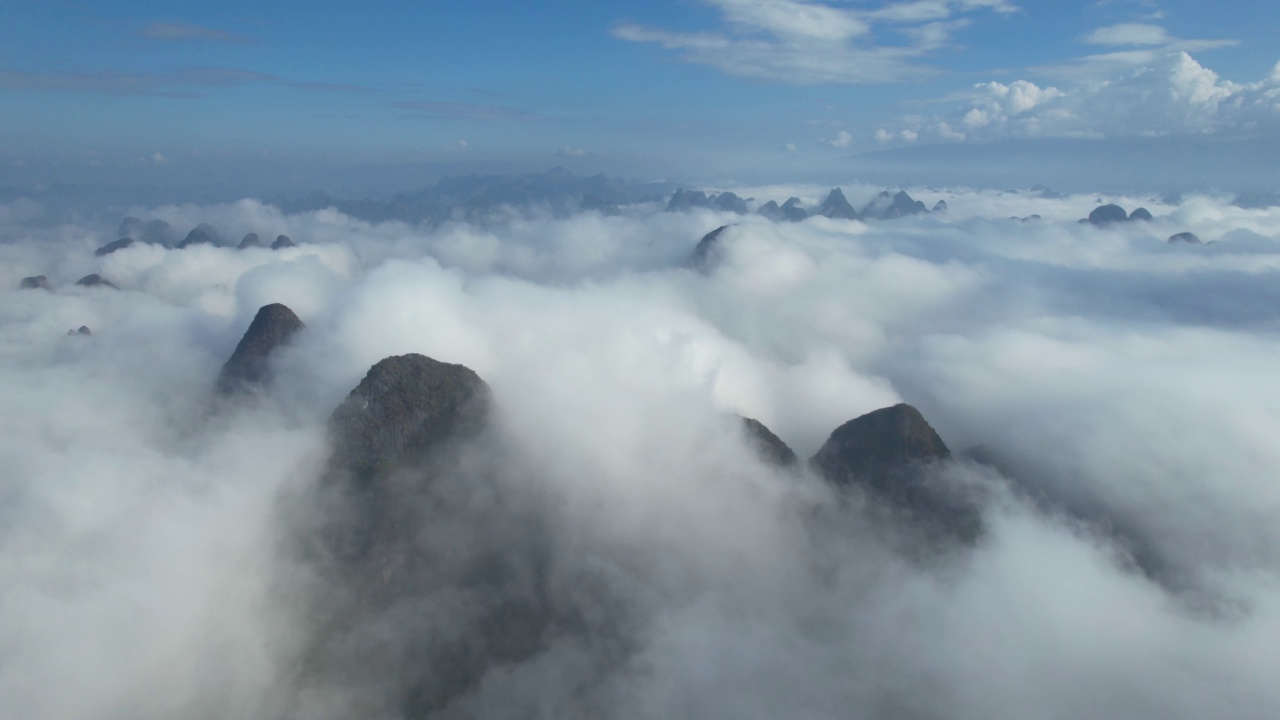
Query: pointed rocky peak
[1140,214]
[404,408]
[730,202]
[1108,214]
[770,210]
[793,210]
[282,242]
[83,330]
[113,246]
[96,280]
[940,206]
[770,447]
[248,366]
[35,282]
[250,241]
[687,199]
[836,206]
[903,205]
[1185,237]
[703,255]
[202,234]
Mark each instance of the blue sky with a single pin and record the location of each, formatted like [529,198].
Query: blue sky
[690,88]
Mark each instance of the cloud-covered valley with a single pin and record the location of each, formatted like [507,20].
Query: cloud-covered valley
[1109,397]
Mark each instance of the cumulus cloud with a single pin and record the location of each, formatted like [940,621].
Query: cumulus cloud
[804,43]
[1119,390]
[842,140]
[1167,94]
[1128,34]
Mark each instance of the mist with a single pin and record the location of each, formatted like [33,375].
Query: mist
[1109,395]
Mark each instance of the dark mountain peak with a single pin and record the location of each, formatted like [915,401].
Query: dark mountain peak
[35,282]
[940,206]
[836,206]
[131,227]
[250,241]
[708,248]
[157,232]
[1185,237]
[96,280]
[113,246]
[793,210]
[886,454]
[903,205]
[1254,200]
[282,241]
[204,233]
[1108,214]
[687,199]
[405,407]
[770,210]
[770,447]
[82,330]
[1140,214]
[897,435]
[273,326]
[730,202]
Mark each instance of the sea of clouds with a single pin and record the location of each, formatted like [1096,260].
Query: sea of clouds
[1114,395]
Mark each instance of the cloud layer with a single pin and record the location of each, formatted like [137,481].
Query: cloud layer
[807,43]
[1119,390]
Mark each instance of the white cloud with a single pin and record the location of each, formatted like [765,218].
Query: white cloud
[1126,384]
[805,43]
[1168,94]
[159,159]
[790,147]
[842,140]
[1128,34]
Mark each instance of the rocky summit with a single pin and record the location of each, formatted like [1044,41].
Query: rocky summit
[406,406]
[35,282]
[248,366]
[770,447]
[887,454]
[96,280]
[250,240]
[1108,214]
[1140,214]
[113,246]
[836,206]
[202,234]
[703,256]
[281,242]
[1185,237]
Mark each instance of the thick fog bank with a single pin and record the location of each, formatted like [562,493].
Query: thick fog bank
[1109,396]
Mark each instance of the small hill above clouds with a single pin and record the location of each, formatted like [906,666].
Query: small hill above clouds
[405,406]
[836,206]
[113,246]
[704,253]
[890,455]
[886,206]
[250,240]
[272,327]
[281,242]
[202,234]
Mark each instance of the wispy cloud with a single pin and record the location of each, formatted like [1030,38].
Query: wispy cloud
[179,32]
[182,83]
[466,111]
[806,43]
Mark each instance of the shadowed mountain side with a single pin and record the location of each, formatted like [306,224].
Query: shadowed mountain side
[434,565]
[704,253]
[888,454]
[770,447]
[248,366]
[404,407]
